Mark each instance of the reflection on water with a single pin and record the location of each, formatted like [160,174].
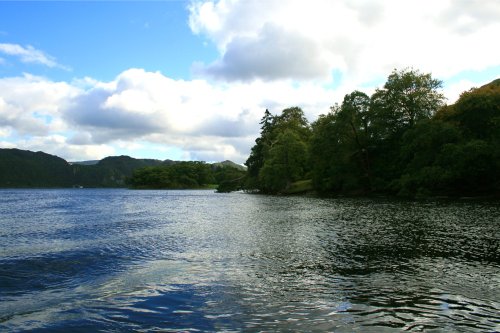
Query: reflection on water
[118,260]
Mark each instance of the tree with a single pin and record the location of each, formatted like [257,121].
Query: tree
[293,119]
[325,153]
[354,115]
[420,149]
[255,161]
[475,161]
[177,175]
[273,162]
[285,164]
[339,148]
[229,178]
[477,112]
[406,98]
[401,140]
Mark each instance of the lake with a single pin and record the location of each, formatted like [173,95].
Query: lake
[88,260]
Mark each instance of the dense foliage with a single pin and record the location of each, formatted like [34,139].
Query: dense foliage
[179,175]
[188,175]
[279,157]
[401,140]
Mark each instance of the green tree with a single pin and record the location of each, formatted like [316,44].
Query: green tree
[407,97]
[354,117]
[339,149]
[477,112]
[229,178]
[177,175]
[285,164]
[401,140]
[474,162]
[326,153]
[420,148]
[471,167]
[292,119]
[255,161]
[272,163]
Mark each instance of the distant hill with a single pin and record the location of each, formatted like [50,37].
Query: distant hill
[230,164]
[111,171]
[92,162]
[23,168]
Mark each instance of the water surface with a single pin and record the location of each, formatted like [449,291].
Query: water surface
[118,260]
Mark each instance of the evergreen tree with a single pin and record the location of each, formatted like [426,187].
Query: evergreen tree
[255,161]
[273,162]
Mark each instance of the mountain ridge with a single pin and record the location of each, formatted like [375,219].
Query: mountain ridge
[25,168]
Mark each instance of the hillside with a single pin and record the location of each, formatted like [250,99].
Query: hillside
[109,172]
[23,168]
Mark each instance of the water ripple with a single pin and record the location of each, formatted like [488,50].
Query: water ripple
[191,261]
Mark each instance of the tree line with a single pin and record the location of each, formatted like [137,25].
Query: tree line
[189,175]
[402,140]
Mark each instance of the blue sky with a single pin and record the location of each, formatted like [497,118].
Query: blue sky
[191,79]
[101,39]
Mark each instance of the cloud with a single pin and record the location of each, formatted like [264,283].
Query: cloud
[203,120]
[454,90]
[206,121]
[31,104]
[58,145]
[29,54]
[242,125]
[469,16]
[195,119]
[362,39]
[274,53]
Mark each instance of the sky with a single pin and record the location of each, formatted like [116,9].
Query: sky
[190,80]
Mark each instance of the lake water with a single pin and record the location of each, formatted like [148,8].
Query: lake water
[122,261]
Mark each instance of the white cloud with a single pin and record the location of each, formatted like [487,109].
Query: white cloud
[29,54]
[31,104]
[467,16]
[58,145]
[147,110]
[207,121]
[363,39]
[274,53]
[210,122]
[453,91]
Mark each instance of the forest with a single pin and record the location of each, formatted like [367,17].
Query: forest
[224,176]
[402,140]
